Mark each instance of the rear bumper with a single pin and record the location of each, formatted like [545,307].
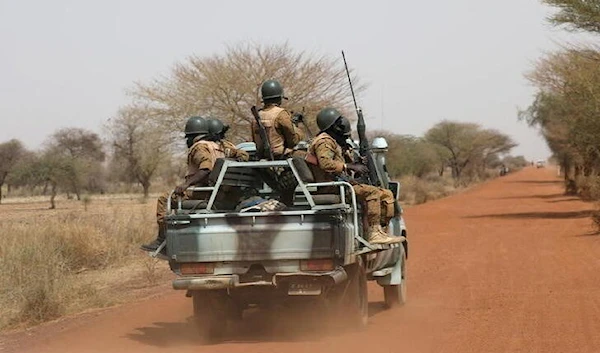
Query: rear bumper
[233,281]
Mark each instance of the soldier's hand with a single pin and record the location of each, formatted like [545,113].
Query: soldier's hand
[357,168]
[180,190]
[297,118]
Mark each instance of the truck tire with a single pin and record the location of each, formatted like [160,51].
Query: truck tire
[209,317]
[356,299]
[395,295]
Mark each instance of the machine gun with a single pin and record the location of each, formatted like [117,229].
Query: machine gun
[372,178]
[298,118]
[263,134]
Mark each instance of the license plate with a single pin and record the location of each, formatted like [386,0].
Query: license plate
[304,289]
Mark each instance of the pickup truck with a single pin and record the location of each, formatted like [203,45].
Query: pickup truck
[229,260]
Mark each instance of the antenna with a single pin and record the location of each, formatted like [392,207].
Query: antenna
[382,110]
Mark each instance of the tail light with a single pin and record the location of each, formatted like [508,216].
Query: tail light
[196,268]
[316,265]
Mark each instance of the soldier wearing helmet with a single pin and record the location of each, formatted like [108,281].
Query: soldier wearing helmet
[202,155]
[216,133]
[331,163]
[281,130]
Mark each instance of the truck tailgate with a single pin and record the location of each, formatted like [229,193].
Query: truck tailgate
[235,238]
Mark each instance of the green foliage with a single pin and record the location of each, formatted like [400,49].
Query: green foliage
[566,109]
[10,153]
[138,143]
[79,154]
[515,162]
[410,155]
[467,146]
[576,14]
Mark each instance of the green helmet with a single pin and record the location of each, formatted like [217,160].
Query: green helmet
[216,127]
[271,90]
[327,117]
[196,125]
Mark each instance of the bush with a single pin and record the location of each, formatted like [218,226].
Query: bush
[588,187]
[596,218]
[415,190]
[40,258]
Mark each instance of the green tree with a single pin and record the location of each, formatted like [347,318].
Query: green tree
[10,153]
[45,168]
[467,144]
[566,108]
[581,15]
[81,153]
[140,145]
[409,155]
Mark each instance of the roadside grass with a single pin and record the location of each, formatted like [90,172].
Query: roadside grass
[51,259]
[414,191]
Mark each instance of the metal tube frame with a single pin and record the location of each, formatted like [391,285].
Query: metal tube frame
[303,187]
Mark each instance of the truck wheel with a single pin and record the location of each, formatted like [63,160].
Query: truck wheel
[395,295]
[357,300]
[209,317]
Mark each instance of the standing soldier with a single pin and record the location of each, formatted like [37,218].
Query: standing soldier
[281,131]
[201,159]
[332,164]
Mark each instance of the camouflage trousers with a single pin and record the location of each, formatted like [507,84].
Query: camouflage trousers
[285,182]
[380,203]
[227,199]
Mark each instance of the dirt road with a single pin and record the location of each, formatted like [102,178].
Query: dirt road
[508,266]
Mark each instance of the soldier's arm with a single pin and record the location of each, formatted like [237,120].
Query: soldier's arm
[199,156]
[232,152]
[325,152]
[285,126]
[348,156]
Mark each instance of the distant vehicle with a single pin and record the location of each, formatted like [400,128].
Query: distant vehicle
[540,163]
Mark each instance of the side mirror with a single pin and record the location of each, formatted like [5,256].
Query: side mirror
[394,187]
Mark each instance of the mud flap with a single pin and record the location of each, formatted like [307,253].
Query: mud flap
[393,278]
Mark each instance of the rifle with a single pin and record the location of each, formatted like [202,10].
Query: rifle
[263,133]
[298,118]
[363,146]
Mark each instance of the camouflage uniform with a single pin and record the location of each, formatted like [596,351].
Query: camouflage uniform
[331,161]
[283,137]
[202,155]
[281,131]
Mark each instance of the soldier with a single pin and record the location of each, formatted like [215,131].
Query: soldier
[201,159]
[216,133]
[326,150]
[281,130]
[283,136]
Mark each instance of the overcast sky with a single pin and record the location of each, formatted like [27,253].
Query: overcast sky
[67,63]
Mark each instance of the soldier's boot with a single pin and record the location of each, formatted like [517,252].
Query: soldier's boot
[378,236]
[287,197]
[154,245]
[397,238]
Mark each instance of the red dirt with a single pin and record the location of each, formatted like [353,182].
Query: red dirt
[508,266]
